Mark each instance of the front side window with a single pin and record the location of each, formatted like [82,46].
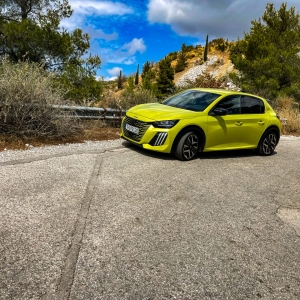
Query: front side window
[232,104]
[251,105]
[192,100]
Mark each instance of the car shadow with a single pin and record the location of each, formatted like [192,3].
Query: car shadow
[204,155]
[149,153]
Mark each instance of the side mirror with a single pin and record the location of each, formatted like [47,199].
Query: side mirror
[218,111]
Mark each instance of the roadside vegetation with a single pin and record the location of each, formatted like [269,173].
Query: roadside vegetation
[42,66]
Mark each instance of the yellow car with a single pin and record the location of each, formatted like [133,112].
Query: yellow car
[202,120]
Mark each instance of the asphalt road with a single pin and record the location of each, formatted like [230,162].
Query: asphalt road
[130,224]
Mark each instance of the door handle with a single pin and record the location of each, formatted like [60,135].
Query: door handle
[261,123]
[239,123]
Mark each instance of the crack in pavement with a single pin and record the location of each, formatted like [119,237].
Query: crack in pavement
[45,157]
[68,271]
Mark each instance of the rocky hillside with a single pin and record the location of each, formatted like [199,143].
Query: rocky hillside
[218,65]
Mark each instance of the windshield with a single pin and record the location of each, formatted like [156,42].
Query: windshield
[192,100]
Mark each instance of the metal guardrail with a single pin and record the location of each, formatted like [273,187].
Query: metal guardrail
[93,113]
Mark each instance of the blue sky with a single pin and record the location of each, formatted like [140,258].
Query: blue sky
[125,33]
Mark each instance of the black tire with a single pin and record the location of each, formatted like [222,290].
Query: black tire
[188,146]
[267,143]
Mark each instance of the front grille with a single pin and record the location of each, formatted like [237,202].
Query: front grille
[159,139]
[142,126]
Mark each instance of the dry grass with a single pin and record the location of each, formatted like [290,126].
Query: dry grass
[93,131]
[289,113]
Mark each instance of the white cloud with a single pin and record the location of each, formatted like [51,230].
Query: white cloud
[89,7]
[123,55]
[100,34]
[136,45]
[84,9]
[114,71]
[217,18]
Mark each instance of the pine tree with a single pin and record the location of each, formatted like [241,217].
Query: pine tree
[30,30]
[165,84]
[146,83]
[136,81]
[146,68]
[206,49]
[120,80]
[181,62]
[268,57]
[130,84]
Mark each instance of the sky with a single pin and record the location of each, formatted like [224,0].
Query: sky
[127,33]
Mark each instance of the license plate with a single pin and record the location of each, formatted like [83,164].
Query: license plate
[132,129]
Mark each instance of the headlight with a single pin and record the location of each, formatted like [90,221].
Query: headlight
[165,124]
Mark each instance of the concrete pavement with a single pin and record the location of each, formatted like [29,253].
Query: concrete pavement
[130,224]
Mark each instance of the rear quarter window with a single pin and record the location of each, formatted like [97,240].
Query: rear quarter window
[251,105]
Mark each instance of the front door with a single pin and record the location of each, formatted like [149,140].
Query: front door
[224,132]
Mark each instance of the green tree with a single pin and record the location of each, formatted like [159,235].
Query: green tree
[146,68]
[80,81]
[120,80]
[136,80]
[205,49]
[181,61]
[165,84]
[30,29]
[130,84]
[146,83]
[268,57]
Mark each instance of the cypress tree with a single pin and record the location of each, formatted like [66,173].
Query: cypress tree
[136,81]
[206,49]
[120,81]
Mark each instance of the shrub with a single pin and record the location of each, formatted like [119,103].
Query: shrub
[110,100]
[289,113]
[204,81]
[27,96]
[139,96]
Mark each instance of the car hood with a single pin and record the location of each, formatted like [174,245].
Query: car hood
[160,112]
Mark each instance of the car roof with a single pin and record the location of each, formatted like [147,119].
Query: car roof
[223,92]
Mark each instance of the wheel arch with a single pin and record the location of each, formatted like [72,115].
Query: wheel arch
[184,130]
[274,128]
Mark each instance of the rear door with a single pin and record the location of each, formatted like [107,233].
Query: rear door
[255,121]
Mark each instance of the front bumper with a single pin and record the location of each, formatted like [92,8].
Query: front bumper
[148,136]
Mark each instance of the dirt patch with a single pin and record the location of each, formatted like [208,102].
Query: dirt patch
[91,133]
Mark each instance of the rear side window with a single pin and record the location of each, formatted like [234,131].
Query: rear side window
[251,105]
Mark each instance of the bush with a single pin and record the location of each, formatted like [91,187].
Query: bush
[289,113]
[139,96]
[204,81]
[27,96]
[110,100]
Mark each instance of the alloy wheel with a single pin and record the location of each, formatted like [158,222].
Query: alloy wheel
[269,143]
[190,146]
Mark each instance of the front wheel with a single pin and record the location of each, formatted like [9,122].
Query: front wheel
[267,143]
[188,146]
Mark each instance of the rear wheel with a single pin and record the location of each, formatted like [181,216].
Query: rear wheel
[188,146]
[268,143]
